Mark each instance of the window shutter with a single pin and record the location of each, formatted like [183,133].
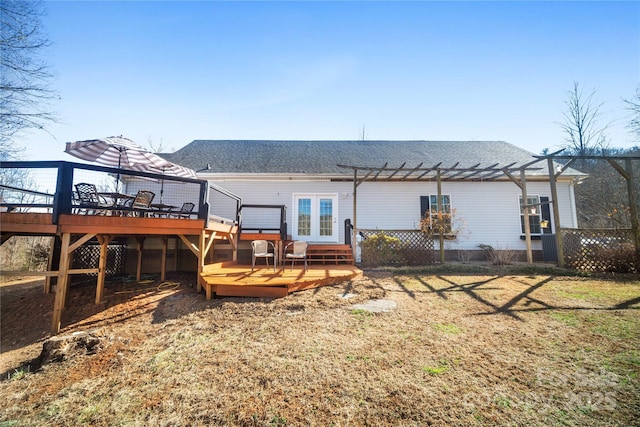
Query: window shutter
[545,210]
[424,205]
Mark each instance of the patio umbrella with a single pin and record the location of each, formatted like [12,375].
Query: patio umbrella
[164,167]
[115,151]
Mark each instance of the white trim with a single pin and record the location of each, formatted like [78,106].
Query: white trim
[538,214]
[267,176]
[572,203]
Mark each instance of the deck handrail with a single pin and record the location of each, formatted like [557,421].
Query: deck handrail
[222,220]
[25,190]
[280,227]
[230,195]
[62,199]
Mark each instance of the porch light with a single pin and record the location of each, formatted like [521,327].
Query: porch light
[544,223]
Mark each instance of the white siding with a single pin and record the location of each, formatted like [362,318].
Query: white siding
[485,212]
[281,193]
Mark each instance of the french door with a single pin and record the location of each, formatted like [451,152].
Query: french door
[315,217]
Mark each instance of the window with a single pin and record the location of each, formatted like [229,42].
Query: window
[429,206]
[533,203]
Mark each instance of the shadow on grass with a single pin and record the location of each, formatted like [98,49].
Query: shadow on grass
[519,303]
[27,312]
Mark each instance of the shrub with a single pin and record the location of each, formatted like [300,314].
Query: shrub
[37,256]
[381,249]
[499,256]
[616,258]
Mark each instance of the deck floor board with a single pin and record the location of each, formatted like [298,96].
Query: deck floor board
[230,279]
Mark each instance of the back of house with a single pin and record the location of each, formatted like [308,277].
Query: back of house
[390,186]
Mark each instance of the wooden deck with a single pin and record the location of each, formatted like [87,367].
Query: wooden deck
[231,279]
[75,230]
[221,279]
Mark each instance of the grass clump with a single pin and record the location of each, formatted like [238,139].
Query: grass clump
[440,368]
[447,328]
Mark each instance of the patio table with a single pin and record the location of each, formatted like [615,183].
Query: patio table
[119,200]
[161,209]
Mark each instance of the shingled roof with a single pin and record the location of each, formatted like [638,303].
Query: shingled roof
[323,157]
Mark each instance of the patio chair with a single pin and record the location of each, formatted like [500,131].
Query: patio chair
[299,252]
[260,249]
[141,204]
[89,201]
[185,211]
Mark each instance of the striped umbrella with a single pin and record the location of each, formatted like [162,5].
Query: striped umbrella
[114,151]
[120,152]
[164,167]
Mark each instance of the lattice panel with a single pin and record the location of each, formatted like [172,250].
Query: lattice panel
[396,247]
[599,250]
[88,256]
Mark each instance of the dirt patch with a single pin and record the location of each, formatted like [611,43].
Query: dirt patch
[457,350]
[26,312]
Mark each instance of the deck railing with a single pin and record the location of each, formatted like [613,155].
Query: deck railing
[263,219]
[224,205]
[48,186]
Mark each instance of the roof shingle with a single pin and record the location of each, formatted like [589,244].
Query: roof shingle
[323,157]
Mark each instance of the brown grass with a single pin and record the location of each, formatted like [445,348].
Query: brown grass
[459,350]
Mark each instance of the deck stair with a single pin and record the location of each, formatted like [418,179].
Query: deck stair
[329,254]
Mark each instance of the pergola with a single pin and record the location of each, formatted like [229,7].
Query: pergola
[624,166]
[512,171]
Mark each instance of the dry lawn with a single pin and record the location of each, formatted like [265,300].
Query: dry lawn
[458,350]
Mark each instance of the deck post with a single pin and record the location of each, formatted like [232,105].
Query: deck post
[102,265]
[140,250]
[53,264]
[203,209]
[62,198]
[234,246]
[163,267]
[61,286]
[201,248]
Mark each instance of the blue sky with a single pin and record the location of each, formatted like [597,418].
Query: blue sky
[171,72]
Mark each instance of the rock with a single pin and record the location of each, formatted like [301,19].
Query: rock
[347,295]
[376,306]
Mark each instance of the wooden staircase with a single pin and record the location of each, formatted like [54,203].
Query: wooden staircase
[329,254]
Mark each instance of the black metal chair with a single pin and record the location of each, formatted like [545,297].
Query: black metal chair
[89,201]
[185,211]
[141,204]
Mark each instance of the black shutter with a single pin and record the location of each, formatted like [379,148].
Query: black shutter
[424,205]
[545,209]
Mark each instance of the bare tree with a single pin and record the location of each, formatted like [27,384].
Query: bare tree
[583,133]
[25,94]
[633,106]
[158,147]
[362,136]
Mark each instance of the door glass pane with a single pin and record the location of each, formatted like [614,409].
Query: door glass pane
[304,217]
[326,217]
